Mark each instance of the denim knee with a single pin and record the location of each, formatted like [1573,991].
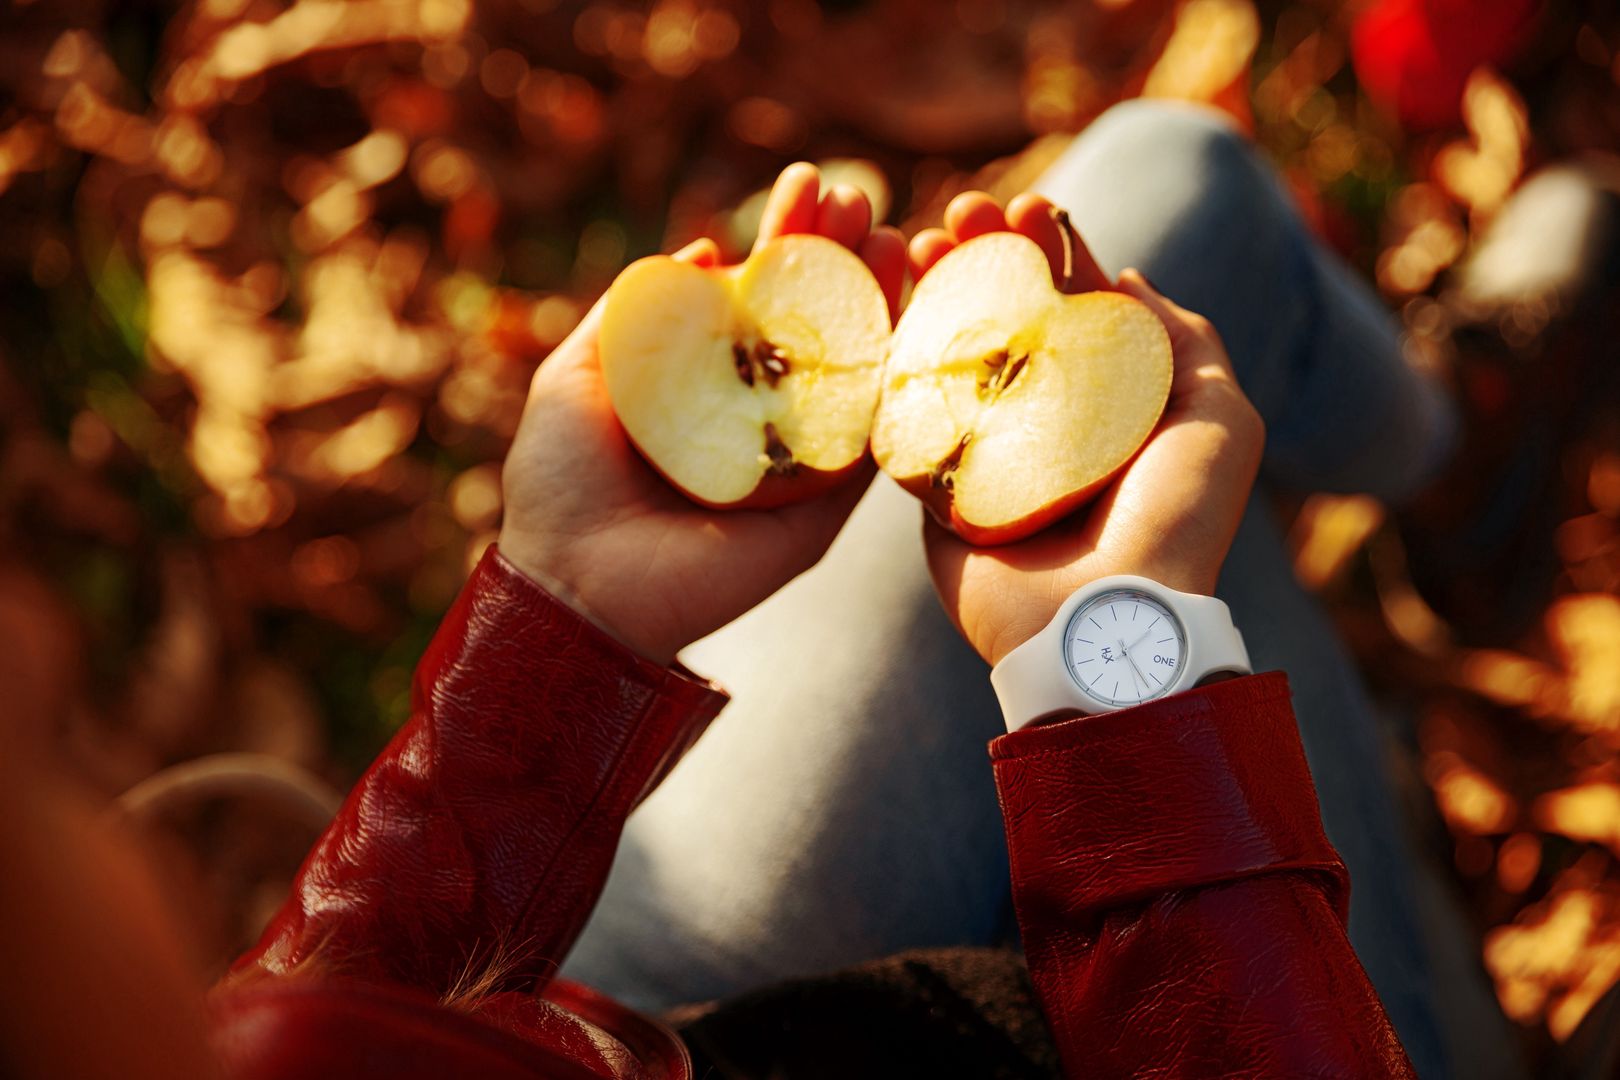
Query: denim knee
[1177,192]
[1149,180]
[1174,128]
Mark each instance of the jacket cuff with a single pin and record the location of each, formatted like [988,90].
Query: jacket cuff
[500,591]
[501,612]
[1202,787]
[489,823]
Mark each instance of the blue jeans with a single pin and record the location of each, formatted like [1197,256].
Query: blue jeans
[842,806]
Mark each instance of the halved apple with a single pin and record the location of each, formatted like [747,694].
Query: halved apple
[751,385]
[1006,403]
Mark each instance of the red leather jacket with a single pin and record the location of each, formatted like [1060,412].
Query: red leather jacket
[1182,911]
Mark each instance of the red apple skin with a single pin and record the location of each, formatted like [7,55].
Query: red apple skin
[941,507]
[1050,514]
[771,491]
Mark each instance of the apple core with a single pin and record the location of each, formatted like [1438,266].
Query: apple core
[1006,403]
[753,385]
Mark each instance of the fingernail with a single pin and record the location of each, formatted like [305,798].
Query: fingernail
[692,249]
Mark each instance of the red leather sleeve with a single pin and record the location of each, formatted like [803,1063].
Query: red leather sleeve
[483,833]
[1182,911]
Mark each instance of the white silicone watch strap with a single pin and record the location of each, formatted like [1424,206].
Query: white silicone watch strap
[1033,680]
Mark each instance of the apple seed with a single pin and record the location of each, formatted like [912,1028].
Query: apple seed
[772,361]
[993,365]
[767,361]
[1001,368]
[942,477]
[1011,372]
[745,367]
[782,463]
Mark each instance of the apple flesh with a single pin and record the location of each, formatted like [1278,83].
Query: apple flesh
[752,385]
[1006,403]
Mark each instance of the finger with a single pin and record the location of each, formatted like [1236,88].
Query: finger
[1188,487]
[844,215]
[1032,215]
[927,248]
[884,253]
[700,252]
[578,348]
[1211,439]
[1036,217]
[791,206]
[588,327]
[973,213]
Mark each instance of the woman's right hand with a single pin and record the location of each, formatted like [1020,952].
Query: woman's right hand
[1170,515]
[590,521]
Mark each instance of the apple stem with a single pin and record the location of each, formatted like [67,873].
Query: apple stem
[1066,235]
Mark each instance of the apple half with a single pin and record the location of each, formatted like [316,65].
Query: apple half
[752,385]
[1006,403]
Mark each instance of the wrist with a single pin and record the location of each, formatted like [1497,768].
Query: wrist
[1117,642]
[560,576]
[1040,598]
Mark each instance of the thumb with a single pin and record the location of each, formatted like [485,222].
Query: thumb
[1199,352]
[700,252]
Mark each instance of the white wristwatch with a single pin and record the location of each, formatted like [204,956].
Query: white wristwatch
[1115,643]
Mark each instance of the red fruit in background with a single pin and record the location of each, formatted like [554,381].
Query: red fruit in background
[1413,56]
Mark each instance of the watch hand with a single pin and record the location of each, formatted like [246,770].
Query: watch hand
[1127,654]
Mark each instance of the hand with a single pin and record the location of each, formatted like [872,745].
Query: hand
[590,521]
[1170,515]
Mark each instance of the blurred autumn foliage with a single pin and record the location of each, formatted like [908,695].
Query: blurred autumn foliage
[277,273]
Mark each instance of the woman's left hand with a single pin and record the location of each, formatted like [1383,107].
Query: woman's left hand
[1169,515]
[590,521]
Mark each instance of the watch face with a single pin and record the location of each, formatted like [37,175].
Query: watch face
[1124,647]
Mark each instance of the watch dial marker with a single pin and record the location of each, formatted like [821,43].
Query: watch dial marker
[1147,667]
